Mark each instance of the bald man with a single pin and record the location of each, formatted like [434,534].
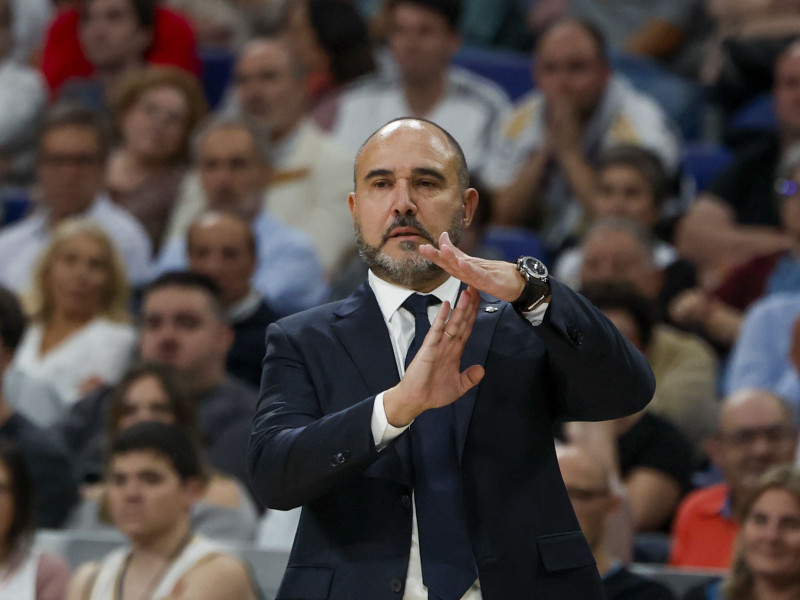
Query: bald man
[756,431]
[223,247]
[466,502]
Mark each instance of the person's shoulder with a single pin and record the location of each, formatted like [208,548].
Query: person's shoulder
[467,84]
[83,580]
[19,232]
[677,344]
[368,87]
[704,499]
[218,575]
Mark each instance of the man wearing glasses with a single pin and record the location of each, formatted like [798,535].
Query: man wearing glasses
[70,172]
[755,432]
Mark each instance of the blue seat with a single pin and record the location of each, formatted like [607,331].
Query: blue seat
[512,242]
[510,70]
[704,161]
[756,115]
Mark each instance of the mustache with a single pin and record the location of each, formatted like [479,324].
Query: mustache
[407,221]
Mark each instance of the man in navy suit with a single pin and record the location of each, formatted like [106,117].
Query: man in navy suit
[425,463]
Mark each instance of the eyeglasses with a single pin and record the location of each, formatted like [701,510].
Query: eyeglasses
[786,187]
[778,434]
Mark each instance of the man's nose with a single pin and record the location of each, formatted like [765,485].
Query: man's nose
[403,198]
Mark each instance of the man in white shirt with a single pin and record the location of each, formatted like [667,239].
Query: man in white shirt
[71,170]
[423,38]
[311,172]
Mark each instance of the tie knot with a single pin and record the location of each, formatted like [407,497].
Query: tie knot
[418,304]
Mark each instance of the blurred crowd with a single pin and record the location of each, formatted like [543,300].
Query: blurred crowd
[174,178]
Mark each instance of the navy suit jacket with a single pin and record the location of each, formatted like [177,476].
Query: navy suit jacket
[312,446]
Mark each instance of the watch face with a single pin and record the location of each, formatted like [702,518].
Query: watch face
[535,266]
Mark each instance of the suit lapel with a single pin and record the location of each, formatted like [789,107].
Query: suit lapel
[363,333]
[475,351]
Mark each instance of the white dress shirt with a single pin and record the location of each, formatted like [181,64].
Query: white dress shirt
[401,327]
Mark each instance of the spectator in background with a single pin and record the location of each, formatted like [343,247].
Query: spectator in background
[766,354]
[63,57]
[155,392]
[22,101]
[311,172]
[423,38]
[156,476]
[48,464]
[26,573]
[156,113]
[589,483]
[631,183]
[718,315]
[71,159]
[330,39]
[183,324]
[766,563]
[31,20]
[544,170]
[233,163]
[79,337]
[222,246]
[619,251]
[654,459]
[755,432]
[738,217]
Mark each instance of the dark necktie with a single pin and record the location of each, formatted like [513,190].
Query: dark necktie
[448,565]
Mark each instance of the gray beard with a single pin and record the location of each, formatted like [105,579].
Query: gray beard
[412,270]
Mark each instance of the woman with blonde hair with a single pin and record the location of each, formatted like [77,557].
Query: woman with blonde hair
[80,335]
[156,112]
[766,559]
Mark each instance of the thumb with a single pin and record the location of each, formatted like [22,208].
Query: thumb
[471,377]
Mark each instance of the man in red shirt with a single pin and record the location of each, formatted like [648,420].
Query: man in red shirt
[755,432]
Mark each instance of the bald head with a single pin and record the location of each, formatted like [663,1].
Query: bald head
[223,247]
[756,431]
[447,144]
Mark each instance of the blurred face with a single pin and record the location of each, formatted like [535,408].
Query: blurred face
[146,400]
[407,194]
[219,248]
[421,42]
[755,434]
[771,537]
[179,328]
[268,89]
[111,35]
[589,493]
[569,68]
[154,128]
[617,256]
[6,501]
[623,192]
[231,172]
[70,170]
[78,276]
[786,92]
[146,497]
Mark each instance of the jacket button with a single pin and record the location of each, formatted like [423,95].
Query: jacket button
[340,458]
[396,586]
[406,501]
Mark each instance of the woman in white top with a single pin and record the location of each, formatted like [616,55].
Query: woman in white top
[79,336]
[24,573]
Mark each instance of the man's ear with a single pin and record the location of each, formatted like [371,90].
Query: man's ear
[470,205]
[712,448]
[144,38]
[195,487]
[351,203]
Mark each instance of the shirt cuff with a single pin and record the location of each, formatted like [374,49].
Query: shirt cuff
[382,431]
[536,316]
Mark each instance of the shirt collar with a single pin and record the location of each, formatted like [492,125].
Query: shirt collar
[391,296]
[245,307]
